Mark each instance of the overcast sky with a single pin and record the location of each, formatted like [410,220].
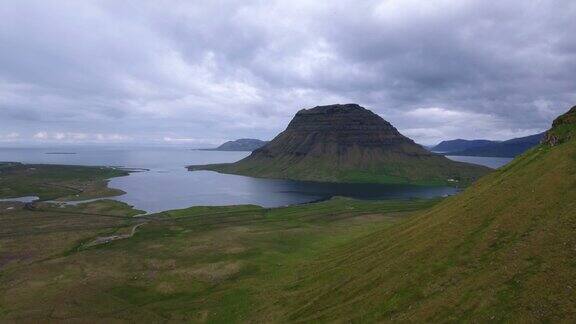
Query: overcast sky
[200,72]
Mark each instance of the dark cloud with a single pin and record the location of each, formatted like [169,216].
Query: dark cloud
[204,71]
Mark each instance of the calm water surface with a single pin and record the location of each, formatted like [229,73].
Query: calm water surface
[491,162]
[25,199]
[168,185]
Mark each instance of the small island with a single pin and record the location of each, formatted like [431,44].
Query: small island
[239,145]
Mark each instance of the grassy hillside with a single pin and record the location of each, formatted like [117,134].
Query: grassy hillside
[504,250]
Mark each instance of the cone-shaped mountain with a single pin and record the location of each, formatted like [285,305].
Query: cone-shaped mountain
[347,143]
[349,133]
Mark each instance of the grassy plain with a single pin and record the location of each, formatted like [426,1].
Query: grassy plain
[56,181]
[204,264]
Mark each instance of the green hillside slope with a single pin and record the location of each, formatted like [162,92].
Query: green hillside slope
[504,250]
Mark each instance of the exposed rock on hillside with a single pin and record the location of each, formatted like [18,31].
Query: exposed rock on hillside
[563,129]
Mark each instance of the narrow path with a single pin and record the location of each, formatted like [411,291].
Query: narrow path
[108,239]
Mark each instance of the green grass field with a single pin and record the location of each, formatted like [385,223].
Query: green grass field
[56,181]
[214,264]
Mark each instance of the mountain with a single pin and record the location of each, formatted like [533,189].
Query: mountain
[509,148]
[501,251]
[347,143]
[243,144]
[459,145]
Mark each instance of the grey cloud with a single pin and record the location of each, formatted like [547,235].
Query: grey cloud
[147,70]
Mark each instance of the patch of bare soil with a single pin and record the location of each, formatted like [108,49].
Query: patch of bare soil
[211,272]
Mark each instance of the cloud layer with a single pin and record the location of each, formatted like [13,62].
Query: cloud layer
[199,72]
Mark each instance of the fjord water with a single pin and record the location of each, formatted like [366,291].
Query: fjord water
[168,185]
[491,162]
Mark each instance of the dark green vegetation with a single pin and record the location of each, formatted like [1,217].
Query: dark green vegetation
[202,264]
[509,148]
[348,143]
[56,181]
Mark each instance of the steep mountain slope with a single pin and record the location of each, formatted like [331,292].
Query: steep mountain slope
[504,250]
[243,144]
[509,148]
[347,143]
[460,145]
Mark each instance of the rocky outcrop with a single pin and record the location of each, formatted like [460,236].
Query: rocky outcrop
[563,129]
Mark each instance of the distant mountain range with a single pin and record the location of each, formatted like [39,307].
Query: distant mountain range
[243,144]
[460,145]
[509,148]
